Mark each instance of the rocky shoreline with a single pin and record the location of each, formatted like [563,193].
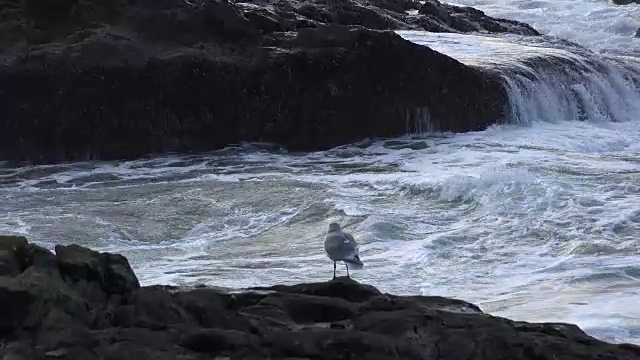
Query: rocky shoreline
[80,304]
[113,79]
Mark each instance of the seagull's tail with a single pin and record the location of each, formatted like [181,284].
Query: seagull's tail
[354,263]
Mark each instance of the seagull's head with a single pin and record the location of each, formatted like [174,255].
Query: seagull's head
[334,226]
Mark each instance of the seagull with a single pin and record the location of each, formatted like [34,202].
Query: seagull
[341,246]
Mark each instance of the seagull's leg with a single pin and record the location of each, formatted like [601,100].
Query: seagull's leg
[334,269]
[347,265]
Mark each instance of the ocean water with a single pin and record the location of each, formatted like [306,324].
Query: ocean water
[537,220]
[597,24]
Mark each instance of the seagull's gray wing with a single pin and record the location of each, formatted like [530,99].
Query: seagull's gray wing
[351,252]
[350,238]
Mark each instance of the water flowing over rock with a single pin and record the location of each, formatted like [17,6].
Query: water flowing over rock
[111,79]
[80,304]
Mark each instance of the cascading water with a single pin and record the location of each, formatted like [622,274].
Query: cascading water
[573,88]
[549,83]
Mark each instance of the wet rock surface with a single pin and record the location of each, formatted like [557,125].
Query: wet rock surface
[114,79]
[80,304]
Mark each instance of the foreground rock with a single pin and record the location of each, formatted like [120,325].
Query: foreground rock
[107,79]
[79,304]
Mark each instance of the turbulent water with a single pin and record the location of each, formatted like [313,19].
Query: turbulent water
[537,220]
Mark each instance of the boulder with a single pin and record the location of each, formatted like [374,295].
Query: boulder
[42,288]
[121,79]
[9,263]
[439,17]
[395,14]
[12,242]
[301,92]
[111,272]
[45,317]
[16,302]
[16,255]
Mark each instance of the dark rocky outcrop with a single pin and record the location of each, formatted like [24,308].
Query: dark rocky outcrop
[322,88]
[105,79]
[625,2]
[431,15]
[80,304]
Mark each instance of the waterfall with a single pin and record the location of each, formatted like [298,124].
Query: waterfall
[548,80]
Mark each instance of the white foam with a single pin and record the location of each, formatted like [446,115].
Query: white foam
[598,25]
[509,218]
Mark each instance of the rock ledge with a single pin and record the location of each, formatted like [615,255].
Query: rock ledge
[80,304]
[115,79]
